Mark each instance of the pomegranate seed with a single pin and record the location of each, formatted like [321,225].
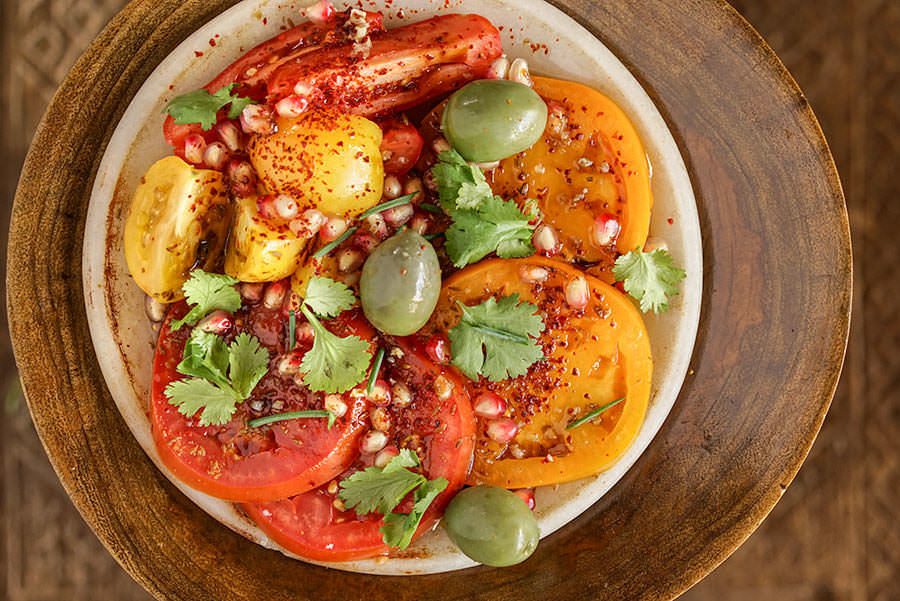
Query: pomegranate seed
[545,240]
[265,205]
[257,119]
[375,225]
[518,72]
[275,293]
[502,430]
[308,224]
[349,259]
[332,229]
[217,322]
[414,186]
[498,69]
[241,177]
[385,455]
[351,279]
[285,207]
[392,187]
[381,395]
[215,155]
[438,349]
[440,144]
[527,495]
[335,403]
[230,135]
[443,387]
[252,291]
[490,405]
[420,224]
[289,365]
[605,230]
[304,333]
[194,148]
[320,12]
[373,441]
[430,181]
[155,310]
[292,106]
[380,418]
[577,293]
[400,395]
[292,302]
[365,243]
[399,215]
[654,243]
[531,274]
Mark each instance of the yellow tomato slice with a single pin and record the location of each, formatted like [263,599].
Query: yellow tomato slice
[590,161]
[593,356]
[179,219]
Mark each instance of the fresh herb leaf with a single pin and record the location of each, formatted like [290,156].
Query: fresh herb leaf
[496,339]
[333,364]
[399,528]
[390,204]
[373,373]
[207,358]
[378,489]
[334,243]
[649,278]
[281,417]
[208,292]
[328,298]
[482,223]
[591,415]
[201,107]
[292,328]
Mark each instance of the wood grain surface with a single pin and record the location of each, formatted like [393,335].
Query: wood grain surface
[764,367]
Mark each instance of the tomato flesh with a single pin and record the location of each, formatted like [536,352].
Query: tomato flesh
[239,463]
[441,433]
[401,146]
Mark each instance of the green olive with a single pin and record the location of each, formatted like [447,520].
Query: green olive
[491,119]
[400,283]
[492,525]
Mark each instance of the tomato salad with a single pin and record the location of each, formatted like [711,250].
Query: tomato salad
[397,281]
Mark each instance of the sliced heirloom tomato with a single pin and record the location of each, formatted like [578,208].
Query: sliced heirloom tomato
[239,463]
[589,166]
[435,421]
[593,356]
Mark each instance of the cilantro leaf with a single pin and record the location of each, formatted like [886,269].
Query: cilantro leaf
[649,277]
[205,356]
[499,225]
[201,107]
[208,292]
[333,364]
[482,223]
[496,339]
[399,528]
[328,298]
[192,395]
[248,362]
[378,489]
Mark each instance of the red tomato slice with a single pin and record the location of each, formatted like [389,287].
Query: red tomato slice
[239,463]
[441,431]
[401,144]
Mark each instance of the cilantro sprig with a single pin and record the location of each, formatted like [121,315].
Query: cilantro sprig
[201,107]
[380,490]
[482,222]
[649,277]
[333,364]
[207,292]
[223,376]
[497,338]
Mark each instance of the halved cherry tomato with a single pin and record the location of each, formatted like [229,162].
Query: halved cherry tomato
[239,463]
[401,146]
[439,430]
[594,355]
[589,162]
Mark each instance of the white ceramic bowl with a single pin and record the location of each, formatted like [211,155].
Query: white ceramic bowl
[553,45]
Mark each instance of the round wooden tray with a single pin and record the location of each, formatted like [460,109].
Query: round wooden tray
[768,355]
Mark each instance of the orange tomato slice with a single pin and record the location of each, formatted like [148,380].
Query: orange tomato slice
[590,161]
[592,356]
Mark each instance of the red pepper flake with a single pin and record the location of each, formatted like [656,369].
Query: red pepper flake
[197,53]
[670,220]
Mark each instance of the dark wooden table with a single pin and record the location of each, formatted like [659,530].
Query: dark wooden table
[834,534]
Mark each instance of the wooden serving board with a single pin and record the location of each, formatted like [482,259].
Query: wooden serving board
[772,334]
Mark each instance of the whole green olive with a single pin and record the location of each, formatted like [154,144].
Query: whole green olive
[400,283]
[492,525]
[491,119]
